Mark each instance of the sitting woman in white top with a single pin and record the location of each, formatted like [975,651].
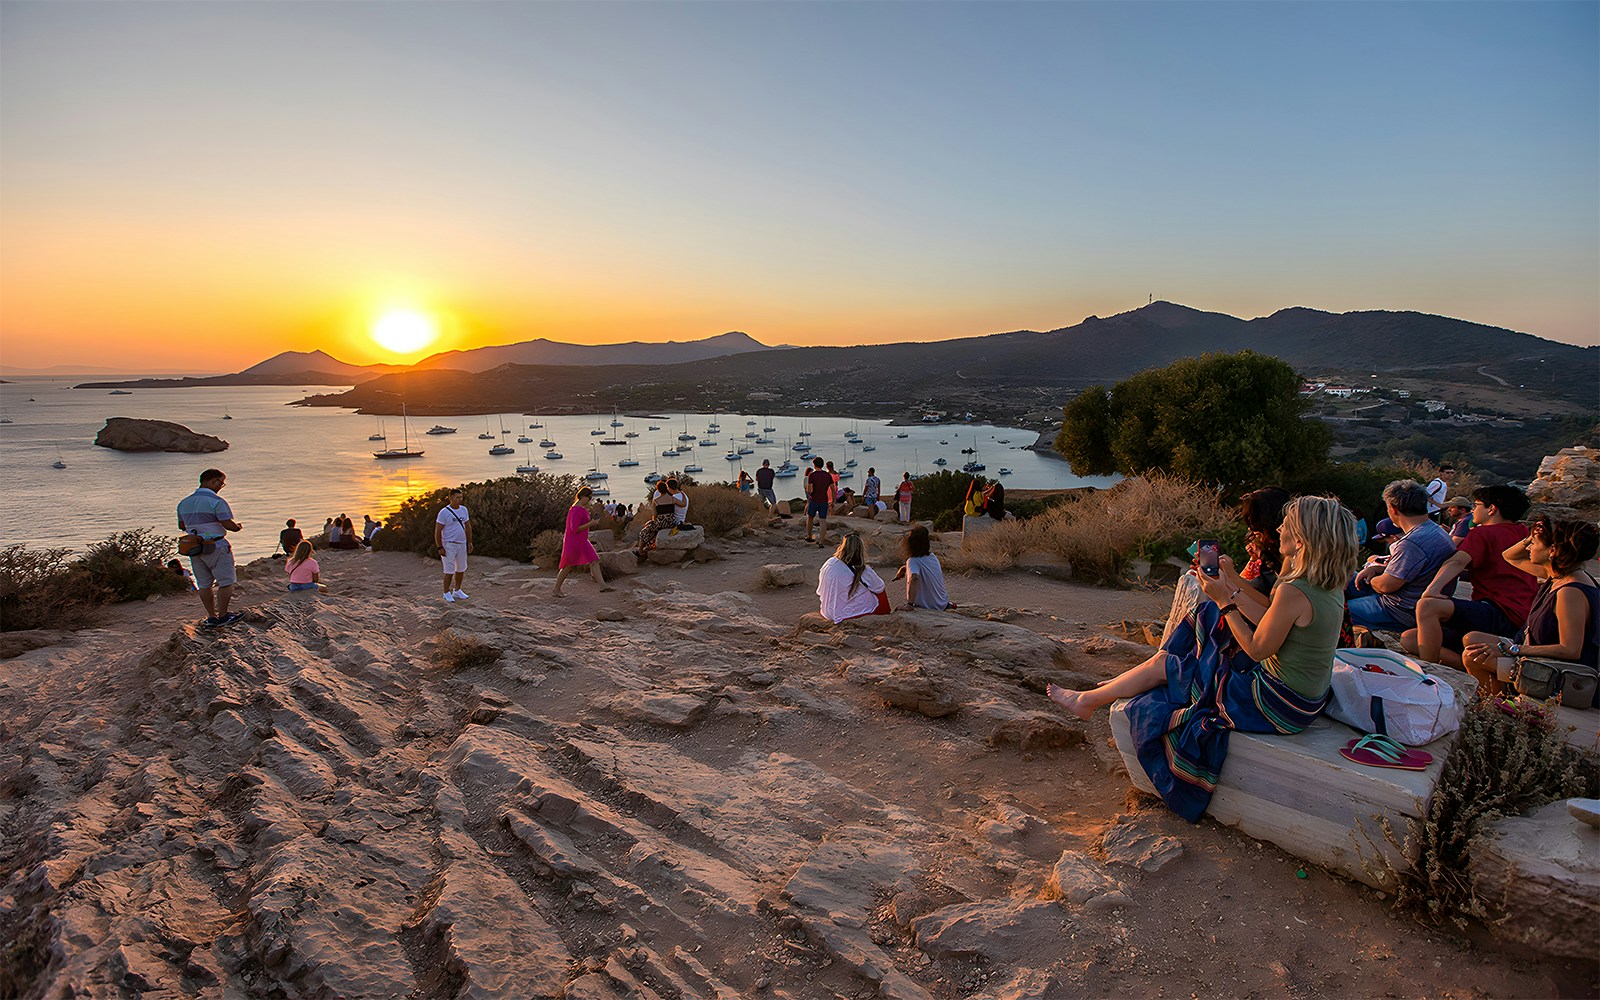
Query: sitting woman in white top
[848,587]
[924,576]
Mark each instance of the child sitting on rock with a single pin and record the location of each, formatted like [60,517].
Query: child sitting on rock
[923,575]
[304,573]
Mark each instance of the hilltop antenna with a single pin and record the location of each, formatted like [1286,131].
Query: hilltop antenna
[1151,299]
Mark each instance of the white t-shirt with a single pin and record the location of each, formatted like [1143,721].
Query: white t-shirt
[682,514]
[833,585]
[930,582]
[1436,495]
[455,521]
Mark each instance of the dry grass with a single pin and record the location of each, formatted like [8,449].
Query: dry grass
[545,549]
[722,509]
[456,652]
[1103,532]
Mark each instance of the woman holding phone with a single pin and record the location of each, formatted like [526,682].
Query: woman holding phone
[1237,665]
[1564,619]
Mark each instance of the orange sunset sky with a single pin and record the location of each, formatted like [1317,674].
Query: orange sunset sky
[197,187]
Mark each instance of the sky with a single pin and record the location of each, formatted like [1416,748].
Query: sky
[199,186]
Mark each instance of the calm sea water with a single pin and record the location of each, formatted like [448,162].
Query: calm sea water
[311,463]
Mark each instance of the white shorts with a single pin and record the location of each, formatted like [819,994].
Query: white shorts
[454,557]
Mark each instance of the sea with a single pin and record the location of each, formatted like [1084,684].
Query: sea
[312,463]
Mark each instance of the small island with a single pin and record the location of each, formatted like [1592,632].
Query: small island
[134,434]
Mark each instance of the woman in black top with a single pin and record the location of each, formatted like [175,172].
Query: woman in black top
[666,517]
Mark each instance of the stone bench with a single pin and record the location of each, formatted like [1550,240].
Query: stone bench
[1298,793]
[973,526]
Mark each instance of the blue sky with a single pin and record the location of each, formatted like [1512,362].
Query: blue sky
[807,173]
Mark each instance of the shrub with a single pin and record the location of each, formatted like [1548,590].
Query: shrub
[456,651]
[546,547]
[39,588]
[721,509]
[506,515]
[1502,765]
[129,565]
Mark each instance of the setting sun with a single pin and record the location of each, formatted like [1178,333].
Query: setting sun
[404,331]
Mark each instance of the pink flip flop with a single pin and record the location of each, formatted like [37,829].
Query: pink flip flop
[1381,751]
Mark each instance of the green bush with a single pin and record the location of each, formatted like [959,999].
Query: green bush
[130,565]
[46,588]
[506,515]
[936,493]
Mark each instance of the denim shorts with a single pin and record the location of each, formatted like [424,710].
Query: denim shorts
[295,587]
[817,509]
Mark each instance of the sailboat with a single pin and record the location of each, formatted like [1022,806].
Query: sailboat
[594,474]
[630,461]
[485,436]
[380,436]
[58,463]
[527,468]
[869,446]
[404,451]
[502,448]
[654,477]
[225,414]
[685,436]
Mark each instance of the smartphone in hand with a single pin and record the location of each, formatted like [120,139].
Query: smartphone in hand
[1209,554]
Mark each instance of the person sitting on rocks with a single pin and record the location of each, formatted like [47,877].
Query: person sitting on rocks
[289,537]
[845,502]
[1238,666]
[176,569]
[347,533]
[1458,514]
[333,529]
[923,575]
[1383,595]
[665,518]
[1501,592]
[304,572]
[972,505]
[847,586]
[994,501]
[1262,512]
[1564,619]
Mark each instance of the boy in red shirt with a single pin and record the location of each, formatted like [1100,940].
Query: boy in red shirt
[819,493]
[1501,593]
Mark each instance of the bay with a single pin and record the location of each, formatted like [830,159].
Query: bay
[311,463]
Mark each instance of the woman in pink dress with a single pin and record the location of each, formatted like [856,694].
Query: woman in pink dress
[576,549]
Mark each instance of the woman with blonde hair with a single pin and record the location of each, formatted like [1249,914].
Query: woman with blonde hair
[1233,665]
[847,586]
[576,549]
[304,572]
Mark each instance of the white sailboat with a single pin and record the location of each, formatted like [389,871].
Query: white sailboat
[404,451]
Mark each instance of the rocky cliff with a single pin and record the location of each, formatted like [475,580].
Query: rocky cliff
[134,434]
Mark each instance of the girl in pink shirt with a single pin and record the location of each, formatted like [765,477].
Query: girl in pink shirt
[304,573]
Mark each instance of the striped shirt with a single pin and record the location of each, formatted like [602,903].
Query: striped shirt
[202,512]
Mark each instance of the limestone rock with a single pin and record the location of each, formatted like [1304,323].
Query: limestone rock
[1569,478]
[136,434]
[1130,841]
[777,575]
[1076,878]
[999,931]
[673,709]
[1543,872]
[1032,730]
[972,527]
[666,557]
[619,562]
[684,539]
[903,685]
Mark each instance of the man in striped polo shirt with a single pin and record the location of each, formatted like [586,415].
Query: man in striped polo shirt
[206,515]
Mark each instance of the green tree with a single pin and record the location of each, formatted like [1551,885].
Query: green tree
[1223,419]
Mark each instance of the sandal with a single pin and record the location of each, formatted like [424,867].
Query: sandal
[1377,750]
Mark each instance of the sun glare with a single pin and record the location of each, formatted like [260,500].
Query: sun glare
[404,331]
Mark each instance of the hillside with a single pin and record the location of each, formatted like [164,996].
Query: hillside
[550,352]
[1007,374]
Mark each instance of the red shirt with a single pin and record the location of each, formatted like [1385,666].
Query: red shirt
[903,491]
[821,482]
[1495,580]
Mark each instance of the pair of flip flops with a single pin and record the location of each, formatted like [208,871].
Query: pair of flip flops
[1378,750]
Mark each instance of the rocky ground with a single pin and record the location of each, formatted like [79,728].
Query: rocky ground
[679,789]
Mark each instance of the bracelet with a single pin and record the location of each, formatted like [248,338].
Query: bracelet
[1228,609]
[1236,592]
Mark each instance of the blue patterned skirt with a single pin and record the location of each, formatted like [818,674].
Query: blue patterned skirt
[1180,729]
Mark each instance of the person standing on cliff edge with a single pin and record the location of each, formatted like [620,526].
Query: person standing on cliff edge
[205,520]
[452,536]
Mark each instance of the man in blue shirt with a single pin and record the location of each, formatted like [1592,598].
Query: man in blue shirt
[208,517]
[1384,593]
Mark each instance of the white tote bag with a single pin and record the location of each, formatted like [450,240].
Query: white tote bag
[1378,691]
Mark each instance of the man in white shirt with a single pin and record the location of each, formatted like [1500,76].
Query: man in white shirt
[1438,489]
[452,536]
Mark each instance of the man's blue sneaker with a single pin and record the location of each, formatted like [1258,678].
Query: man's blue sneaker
[212,622]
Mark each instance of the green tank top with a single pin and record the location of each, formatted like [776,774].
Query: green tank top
[1305,660]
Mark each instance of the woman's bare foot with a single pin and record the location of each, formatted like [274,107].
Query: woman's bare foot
[557,593]
[1072,701]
